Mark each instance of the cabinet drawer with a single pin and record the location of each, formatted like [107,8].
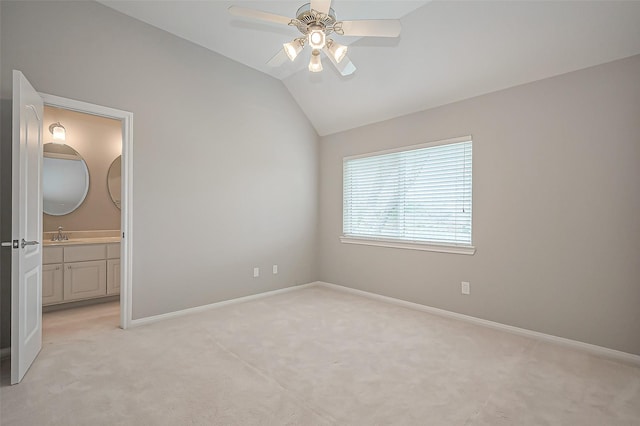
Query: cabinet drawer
[113,251]
[52,255]
[84,253]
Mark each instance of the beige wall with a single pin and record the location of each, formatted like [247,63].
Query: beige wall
[99,141]
[556,209]
[225,162]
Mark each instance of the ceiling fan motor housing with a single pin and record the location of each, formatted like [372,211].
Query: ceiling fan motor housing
[307,19]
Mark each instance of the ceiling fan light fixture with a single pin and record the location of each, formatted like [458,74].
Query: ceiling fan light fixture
[293,49]
[317,37]
[316,21]
[315,64]
[337,50]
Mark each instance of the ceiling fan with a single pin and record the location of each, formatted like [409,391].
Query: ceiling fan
[316,21]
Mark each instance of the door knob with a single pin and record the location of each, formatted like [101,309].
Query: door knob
[28,243]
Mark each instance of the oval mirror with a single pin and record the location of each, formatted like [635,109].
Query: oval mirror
[65,179]
[114,180]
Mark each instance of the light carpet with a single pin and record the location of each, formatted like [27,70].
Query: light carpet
[313,356]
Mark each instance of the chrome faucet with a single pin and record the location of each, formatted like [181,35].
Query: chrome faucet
[60,236]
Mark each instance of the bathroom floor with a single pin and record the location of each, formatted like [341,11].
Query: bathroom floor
[76,322]
[70,325]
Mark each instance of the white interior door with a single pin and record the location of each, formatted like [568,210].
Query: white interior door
[26,224]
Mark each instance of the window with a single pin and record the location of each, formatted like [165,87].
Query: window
[418,197]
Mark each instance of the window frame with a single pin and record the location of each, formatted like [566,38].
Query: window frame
[467,249]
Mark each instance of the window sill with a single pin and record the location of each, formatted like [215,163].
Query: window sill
[468,250]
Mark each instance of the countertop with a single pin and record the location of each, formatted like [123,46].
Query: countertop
[88,240]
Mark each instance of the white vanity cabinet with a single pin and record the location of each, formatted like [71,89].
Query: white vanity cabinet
[80,271]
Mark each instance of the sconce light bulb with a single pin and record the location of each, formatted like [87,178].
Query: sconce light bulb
[58,131]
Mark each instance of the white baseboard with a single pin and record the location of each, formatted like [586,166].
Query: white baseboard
[5,353]
[175,314]
[587,347]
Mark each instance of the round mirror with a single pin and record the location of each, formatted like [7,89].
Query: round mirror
[114,180]
[65,179]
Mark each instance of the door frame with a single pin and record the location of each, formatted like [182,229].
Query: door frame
[126,221]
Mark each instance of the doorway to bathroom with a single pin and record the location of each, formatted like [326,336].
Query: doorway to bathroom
[86,175]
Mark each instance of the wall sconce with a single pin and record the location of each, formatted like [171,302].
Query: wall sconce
[58,131]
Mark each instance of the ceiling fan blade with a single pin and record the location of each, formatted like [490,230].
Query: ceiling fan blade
[345,67]
[371,28]
[278,59]
[258,14]
[321,6]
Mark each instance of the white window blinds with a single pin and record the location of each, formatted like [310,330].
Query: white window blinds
[421,194]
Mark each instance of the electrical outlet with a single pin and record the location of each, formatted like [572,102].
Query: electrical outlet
[256,272]
[465,287]
[275,269]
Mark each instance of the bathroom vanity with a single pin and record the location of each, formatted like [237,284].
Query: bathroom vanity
[80,269]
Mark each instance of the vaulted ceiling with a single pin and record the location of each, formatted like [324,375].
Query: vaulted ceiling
[447,51]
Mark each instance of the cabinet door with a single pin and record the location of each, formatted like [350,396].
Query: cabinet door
[52,284]
[83,280]
[113,276]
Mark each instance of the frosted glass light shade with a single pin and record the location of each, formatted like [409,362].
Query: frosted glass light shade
[292,49]
[315,64]
[338,51]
